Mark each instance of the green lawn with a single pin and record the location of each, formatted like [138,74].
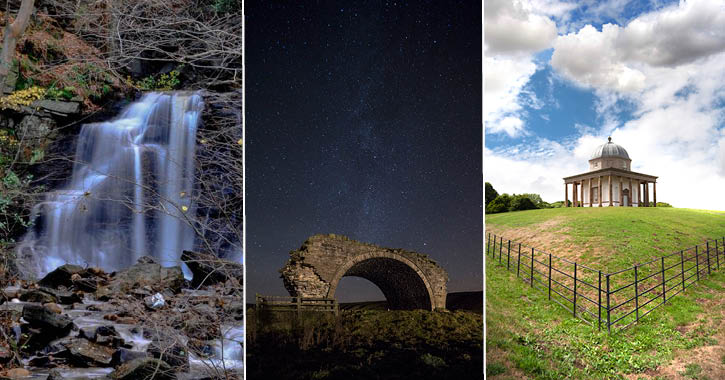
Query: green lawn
[529,336]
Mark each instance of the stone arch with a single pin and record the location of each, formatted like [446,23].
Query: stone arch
[409,280]
[405,288]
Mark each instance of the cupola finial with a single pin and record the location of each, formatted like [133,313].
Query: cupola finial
[610,138]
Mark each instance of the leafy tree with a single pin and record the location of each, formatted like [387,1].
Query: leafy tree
[500,204]
[521,202]
[491,193]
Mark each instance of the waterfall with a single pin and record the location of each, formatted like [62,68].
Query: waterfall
[129,194]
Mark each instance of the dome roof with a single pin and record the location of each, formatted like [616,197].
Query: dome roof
[609,149]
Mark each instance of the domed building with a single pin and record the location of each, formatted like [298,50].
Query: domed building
[610,181]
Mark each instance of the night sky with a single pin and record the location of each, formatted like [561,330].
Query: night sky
[364,119]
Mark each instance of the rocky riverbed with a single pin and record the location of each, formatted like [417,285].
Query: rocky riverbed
[84,323]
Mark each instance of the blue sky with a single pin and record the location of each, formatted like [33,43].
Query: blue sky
[560,77]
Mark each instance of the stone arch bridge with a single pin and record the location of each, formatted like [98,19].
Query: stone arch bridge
[409,280]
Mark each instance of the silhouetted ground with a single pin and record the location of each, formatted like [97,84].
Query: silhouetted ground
[367,344]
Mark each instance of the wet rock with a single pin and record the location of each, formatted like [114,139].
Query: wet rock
[208,269]
[61,276]
[54,374]
[154,302]
[147,274]
[143,368]
[167,347]
[57,107]
[5,355]
[103,293]
[16,373]
[123,355]
[87,354]
[48,321]
[38,295]
[54,307]
[146,260]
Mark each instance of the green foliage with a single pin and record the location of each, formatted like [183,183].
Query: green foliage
[432,360]
[521,203]
[226,6]
[491,193]
[500,204]
[65,93]
[694,371]
[164,82]
[663,204]
[494,368]
[505,202]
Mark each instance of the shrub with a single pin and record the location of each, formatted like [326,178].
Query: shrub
[521,202]
[663,204]
[500,204]
[491,193]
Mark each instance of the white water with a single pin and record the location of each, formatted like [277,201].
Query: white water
[129,193]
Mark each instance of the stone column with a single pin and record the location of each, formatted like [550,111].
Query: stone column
[654,191]
[591,200]
[566,194]
[599,191]
[610,190]
[639,193]
[646,194]
[581,194]
[576,201]
[621,193]
[631,193]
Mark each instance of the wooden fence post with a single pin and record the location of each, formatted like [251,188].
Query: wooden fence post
[599,303]
[550,276]
[682,262]
[518,262]
[532,267]
[575,290]
[664,298]
[636,295]
[508,255]
[609,325]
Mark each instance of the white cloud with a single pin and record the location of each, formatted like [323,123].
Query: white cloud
[514,27]
[619,58]
[514,31]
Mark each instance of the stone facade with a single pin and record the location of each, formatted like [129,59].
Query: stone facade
[409,280]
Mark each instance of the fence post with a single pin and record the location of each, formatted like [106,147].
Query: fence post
[575,290]
[636,295]
[707,247]
[518,262]
[550,276]
[488,243]
[682,262]
[508,255]
[532,267]
[500,248]
[664,298]
[697,264]
[599,304]
[494,245]
[717,255]
[609,326]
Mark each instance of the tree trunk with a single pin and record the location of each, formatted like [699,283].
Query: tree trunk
[12,32]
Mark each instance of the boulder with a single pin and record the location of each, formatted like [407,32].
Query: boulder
[15,373]
[153,275]
[143,368]
[61,276]
[208,269]
[47,320]
[123,355]
[54,374]
[84,353]
[57,107]
[39,296]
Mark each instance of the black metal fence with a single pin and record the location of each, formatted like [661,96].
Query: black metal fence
[619,298]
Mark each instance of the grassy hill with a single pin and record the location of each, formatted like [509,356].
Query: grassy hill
[529,336]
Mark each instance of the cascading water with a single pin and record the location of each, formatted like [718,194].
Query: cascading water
[129,194]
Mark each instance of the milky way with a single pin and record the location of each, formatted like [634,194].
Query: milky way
[365,121]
